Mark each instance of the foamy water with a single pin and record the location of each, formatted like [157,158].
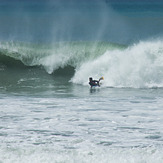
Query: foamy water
[101,125]
[138,66]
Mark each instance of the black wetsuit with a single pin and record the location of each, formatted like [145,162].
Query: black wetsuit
[94,83]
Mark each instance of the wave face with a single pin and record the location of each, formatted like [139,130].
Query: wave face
[137,66]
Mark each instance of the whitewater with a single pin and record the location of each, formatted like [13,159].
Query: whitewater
[137,66]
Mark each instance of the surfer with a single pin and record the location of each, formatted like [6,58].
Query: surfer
[94,82]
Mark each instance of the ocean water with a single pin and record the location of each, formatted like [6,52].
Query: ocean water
[48,51]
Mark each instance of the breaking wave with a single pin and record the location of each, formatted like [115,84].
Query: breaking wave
[136,66]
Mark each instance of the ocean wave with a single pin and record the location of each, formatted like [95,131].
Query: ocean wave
[53,56]
[138,66]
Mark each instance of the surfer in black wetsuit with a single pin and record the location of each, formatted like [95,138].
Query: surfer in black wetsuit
[93,82]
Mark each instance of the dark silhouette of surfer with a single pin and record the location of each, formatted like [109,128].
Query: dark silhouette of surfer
[94,82]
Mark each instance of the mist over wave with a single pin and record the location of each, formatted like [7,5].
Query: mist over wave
[73,20]
[60,20]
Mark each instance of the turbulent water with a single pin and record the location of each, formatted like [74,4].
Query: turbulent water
[48,113]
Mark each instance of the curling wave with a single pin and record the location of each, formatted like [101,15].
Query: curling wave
[54,56]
